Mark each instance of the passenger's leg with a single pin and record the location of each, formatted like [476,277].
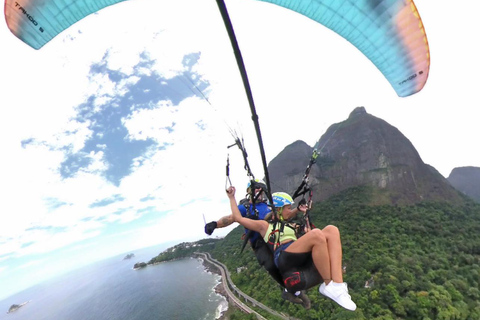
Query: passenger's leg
[316,243]
[332,234]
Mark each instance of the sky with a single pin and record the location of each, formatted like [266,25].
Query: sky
[114,135]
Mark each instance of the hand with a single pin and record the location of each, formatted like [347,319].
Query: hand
[209,227]
[231,192]
[302,202]
[303,208]
[302,205]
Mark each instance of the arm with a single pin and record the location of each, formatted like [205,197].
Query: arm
[295,211]
[259,226]
[225,221]
[222,223]
[304,209]
[308,226]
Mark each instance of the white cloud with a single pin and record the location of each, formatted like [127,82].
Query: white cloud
[186,180]
[32,263]
[49,241]
[152,123]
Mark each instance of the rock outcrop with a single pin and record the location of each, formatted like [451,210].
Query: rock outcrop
[467,181]
[129,256]
[362,151]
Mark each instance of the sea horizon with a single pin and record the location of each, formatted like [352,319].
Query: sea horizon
[112,289]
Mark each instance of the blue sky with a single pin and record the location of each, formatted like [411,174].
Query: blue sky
[110,145]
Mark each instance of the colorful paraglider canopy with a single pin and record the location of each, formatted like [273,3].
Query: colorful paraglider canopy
[36,22]
[389,32]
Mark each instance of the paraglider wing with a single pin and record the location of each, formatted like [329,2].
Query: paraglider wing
[389,32]
[36,22]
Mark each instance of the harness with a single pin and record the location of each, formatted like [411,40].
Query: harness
[303,189]
[254,197]
[274,236]
[305,275]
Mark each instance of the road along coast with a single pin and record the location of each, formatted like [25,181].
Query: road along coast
[231,291]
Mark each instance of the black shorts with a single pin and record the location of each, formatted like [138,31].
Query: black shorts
[288,261]
[298,271]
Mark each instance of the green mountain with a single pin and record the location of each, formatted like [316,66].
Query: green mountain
[411,242]
[467,181]
[402,262]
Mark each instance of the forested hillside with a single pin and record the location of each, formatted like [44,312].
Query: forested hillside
[411,241]
[402,262]
[421,262]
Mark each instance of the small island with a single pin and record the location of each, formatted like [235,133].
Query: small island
[139,265]
[129,256]
[15,307]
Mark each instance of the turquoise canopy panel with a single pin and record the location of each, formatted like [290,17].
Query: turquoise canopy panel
[389,32]
[36,22]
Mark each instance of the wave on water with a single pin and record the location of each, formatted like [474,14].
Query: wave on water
[216,291]
[221,309]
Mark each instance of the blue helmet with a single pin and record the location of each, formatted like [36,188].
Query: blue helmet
[281,199]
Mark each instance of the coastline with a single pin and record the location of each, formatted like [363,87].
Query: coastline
[219,288]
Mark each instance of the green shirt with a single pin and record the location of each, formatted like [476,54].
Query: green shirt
[287,234]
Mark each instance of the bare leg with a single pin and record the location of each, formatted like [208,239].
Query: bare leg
[332,234]
[326,249]
[315,241]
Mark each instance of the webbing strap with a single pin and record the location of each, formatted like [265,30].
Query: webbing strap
[246,84]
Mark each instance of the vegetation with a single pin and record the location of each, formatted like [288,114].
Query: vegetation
[139,265]
[184,249]
[402,262]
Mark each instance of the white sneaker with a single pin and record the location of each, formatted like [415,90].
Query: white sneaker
[338,292]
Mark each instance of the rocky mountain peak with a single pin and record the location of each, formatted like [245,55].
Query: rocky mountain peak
[357,112]
[467,181]
[363,150]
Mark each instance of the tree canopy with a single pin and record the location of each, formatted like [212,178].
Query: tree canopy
[402,262]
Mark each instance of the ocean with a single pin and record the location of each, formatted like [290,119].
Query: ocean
[112,290]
